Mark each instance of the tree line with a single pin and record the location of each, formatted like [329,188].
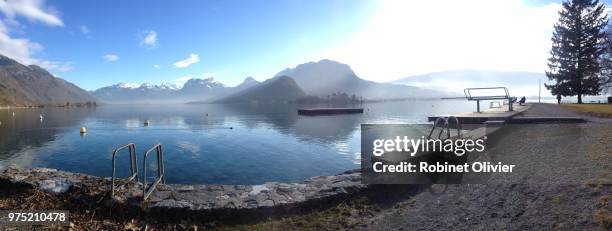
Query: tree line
[580,60]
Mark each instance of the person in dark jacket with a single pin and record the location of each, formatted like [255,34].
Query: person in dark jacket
[558,99]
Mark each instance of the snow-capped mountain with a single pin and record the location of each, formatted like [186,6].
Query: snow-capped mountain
[127,85]
[192,90]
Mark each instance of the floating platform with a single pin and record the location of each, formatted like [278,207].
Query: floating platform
[329,111]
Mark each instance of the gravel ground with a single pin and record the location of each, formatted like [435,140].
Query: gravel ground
[546,109]
[501,207]
[552,110]
[583,204]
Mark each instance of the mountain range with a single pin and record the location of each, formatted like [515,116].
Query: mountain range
[277,90]
[22,85]
[327,77]
[32,85]
[193,90]
[518,83]
[319,79]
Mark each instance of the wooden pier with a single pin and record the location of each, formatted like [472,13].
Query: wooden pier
[329,111]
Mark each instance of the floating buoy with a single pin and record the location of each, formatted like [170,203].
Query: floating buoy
[231,127]
[146,123]
[83,130]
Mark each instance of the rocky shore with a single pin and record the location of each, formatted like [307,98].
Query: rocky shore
[191,199]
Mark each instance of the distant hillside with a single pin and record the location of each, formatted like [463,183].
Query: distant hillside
[281,89]
[327,77]
[518,83]
[32,85]
[193,90]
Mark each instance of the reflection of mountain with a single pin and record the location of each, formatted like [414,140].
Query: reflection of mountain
[33,85]
[25,130]
[327,77]
[277,90]
[518,83]
[326,129]
[284,119]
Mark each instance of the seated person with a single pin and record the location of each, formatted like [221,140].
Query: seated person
[522,101]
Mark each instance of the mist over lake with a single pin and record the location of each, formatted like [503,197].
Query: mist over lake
[203,143]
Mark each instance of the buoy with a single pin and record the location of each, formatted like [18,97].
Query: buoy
[146,123]
[83,130]
[231,127]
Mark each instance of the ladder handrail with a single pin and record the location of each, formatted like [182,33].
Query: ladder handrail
[435,125]
[146,192]
[459,134]
[133,165]
[446,125]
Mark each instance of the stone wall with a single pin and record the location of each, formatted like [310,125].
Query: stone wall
[192,198]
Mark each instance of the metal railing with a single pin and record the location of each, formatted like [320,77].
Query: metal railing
[133,165]
[468,95]
[444,121]
[146,191]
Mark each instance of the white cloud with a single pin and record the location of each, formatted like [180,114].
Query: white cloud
[156,66]
[192,59]
[33,10]
[149,39]
[111,57]
[22,49]
[84,29]
[413,37]
[55,66]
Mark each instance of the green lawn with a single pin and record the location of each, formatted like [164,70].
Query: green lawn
[599,110]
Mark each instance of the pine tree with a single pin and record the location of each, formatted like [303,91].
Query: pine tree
[578,43]
[606,63]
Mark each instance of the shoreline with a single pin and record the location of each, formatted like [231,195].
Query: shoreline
[322,202]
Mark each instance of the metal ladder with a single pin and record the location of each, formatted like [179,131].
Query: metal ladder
[161,178]
[134,169]
[444,121]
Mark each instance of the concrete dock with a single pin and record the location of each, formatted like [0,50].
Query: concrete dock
[493,114]
[528,113]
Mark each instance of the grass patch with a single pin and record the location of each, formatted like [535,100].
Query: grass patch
[603,218]
[597,110]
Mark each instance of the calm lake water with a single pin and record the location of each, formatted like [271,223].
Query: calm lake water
[266,143]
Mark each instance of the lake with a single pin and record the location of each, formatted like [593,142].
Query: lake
[203,143]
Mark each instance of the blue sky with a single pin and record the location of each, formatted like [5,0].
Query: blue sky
[99,43]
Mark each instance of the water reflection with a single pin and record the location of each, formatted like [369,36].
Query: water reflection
[23,130]
[204,143]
